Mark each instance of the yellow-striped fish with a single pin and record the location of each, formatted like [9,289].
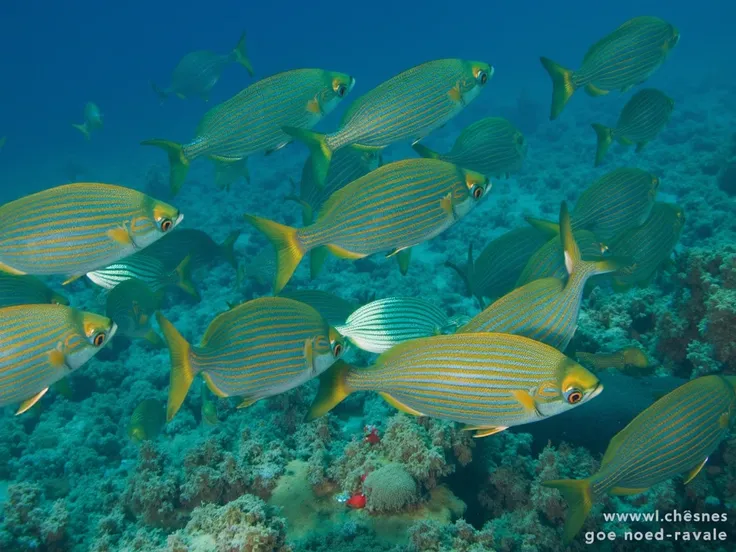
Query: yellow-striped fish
[26,290]
[41,344]
[648,246]
[256,350]
[673,436]
[488,381]
[198,72]
[131,305]
[334,309]
[92,120]
[545,310]
[408,106]
[393,208]
[642,118]
[630,360]
[147,420]
[491,146]
[624,58]
[77,228]
[252,120]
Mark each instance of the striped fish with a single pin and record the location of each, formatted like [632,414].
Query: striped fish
[255,350]
[147,420]
[624,58]
[252,120]
[41,344]
[545,310]
[131,305]
[26,290]
[202,250]
[393,208]
[334,309]
[648,246]
[198,72]
[491,146]
[673,436]
[383,323]
[630,360]
[642,118]
[408,106]
[489,381]
[496,270]
[77,228]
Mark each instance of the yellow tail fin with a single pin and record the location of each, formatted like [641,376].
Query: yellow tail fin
[289,251]
[424,151]
[184,278]
[579,496]
[605,139]
[227,248]
[241,55]
[182,371]
[83,129]
[321,152]
[333,389]
[178,162]
[563,86]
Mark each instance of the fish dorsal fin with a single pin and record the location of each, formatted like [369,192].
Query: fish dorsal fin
[695,471]
[28,403]
[398,405]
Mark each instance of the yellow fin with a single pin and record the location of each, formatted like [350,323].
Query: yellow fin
[342,253]
[184,278]
[309,355]
[71,279]
[56,358]
[10,269]
[154,339]
[249,401]
[333,389]
[120,235]
[285,241]
[624,491]
[314,107]
[456,95]
[398,405]
[563,86]
[695,471]
[446,205]
[579,496]
[182,373]
[485,431]
[526,400]
[178,162]
[321,152]
[604,136]
[28,403]
[212,387]
[403,257]
[594,91]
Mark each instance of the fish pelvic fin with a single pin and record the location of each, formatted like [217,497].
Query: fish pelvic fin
[184,278]
[182,371]
[227,248]
[27,404]
[563,86]
[83,129]
[241,55]
[285,241]
[593,91]
[605,139]
[178,161]
[579,496]
[162,94]
[320,150]
[424,151]
[333,389]
[403,258]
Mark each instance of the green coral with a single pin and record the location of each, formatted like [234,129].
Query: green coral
[390,489]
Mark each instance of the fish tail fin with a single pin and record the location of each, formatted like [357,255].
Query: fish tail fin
[182,371]
[289,251]
[321,152]
[183,274]
[317,258]
[178,161]
[573,259]
[241,55]
[227,248]
[83,129]
[333,389]
[424,151]
[579,496]
[605,139]
[563,86]
[154,339]
[162,94]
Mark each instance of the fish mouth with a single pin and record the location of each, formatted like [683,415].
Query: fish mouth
[596,391]
[179,219]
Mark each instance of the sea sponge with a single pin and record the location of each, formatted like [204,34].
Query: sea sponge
[390,489]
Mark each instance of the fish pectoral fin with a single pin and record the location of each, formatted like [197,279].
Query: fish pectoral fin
[455,95]
[594,91]
[342,253]
[28,403]
[56,358]
[404,258]
[446,205]
[694,472]
[484,431]
[309,356]
[625,491]
[120,235]
[398,405]
[313,106]
[249,401]
[527,401]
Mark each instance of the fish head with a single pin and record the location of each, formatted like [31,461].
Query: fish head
[327,352]
[673,39]
[476,75]
[339,86]
[574,386]
[92,114]
[470,188]
[159,218]
[89,332]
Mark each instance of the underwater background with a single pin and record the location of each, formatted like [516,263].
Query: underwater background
[262,478]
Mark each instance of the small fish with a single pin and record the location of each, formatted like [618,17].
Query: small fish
[381,324]
[254,350]
[92,120]
[209,407]
[488,381]
[41,344]
[100,223]
[648,246]
[630,360]
[673,436]
[261,268]
[26,290]
[642,118]
[252,120]
[147,421]
[131,305]
[408,106]
[496,270]
[198,72]
[393,208]
[334,309]
[546,310]
[491,146]
[617,201]
[626,57]
[203,251]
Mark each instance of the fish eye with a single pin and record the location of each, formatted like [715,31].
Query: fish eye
[481,77]
[337,350]
[166,224]
[477,192]
[573,395]
[99,339]
[341,90]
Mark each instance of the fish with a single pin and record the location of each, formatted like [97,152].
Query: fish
[383,323]
[261,268]
[626,57]
[491,146]
[42,344]
[641,120]
[630,360]
[199,246]
[252,120]
[92,120]
[255,350]
[147,421]
[617,201]
[495,272]
[408,106]
[675,435]
[227,174]
[27,290]
[198,72]
[545,310]
[648,246]
[487,381]
[131,305]
[209,407]
[334,309]
[393,208]
[77,228]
